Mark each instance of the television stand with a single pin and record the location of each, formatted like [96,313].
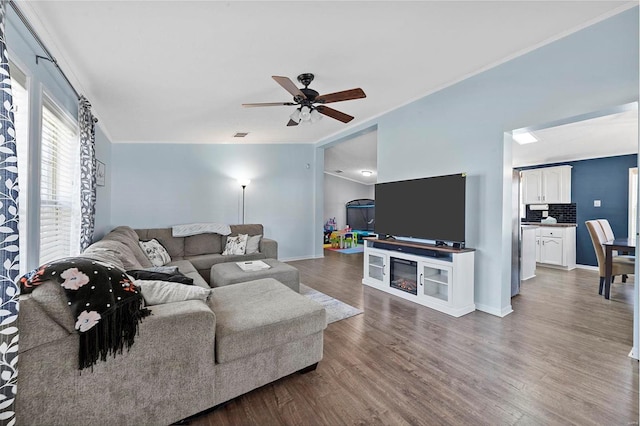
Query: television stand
[438,277]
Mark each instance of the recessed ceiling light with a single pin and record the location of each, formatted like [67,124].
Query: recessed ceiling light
[524,138]
[366,173]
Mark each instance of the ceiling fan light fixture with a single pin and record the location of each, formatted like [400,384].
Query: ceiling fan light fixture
[295,116]
[305,114]
[315,116]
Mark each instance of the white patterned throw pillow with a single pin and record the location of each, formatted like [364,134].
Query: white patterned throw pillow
[156,253]
[236,245]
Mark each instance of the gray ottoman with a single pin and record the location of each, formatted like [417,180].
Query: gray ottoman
[229,273]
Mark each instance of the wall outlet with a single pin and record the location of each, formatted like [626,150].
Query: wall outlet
[596,203]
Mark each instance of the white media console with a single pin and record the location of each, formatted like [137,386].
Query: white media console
[437,277]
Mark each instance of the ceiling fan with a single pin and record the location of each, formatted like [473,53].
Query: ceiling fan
[306,99]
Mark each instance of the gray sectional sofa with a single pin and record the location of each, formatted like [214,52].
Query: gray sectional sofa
[188,357]
[194,256]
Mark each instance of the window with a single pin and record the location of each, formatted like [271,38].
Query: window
[59,185]
[21,124]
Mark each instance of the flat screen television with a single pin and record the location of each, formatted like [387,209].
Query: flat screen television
[429,208]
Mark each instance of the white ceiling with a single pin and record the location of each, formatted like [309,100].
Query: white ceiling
[610,135]
[348,159]
[178,71]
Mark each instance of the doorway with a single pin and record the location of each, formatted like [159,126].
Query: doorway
[350,174]
[603,144]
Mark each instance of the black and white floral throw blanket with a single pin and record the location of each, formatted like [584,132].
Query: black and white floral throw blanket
[107,306]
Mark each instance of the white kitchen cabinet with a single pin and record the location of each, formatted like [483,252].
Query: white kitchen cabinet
[551,250]
[556,246]
[547,185]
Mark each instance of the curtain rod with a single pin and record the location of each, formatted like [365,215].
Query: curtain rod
[49,57]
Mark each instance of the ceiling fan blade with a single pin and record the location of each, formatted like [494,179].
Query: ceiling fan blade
[292,123]
[345,95]
[330,112]
[264,104]
[289,86]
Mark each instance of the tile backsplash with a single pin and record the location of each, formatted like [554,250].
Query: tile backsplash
[564,213]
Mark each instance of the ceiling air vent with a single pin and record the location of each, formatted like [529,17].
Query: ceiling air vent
[337,171]
[240,134]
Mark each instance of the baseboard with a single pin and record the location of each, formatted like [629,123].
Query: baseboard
[587,267]
[634,353]
[293,259]
[493,311]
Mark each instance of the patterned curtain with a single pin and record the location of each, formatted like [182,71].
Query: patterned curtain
[9,249]
[87,124]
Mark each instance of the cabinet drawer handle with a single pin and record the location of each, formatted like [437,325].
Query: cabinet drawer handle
[420,279]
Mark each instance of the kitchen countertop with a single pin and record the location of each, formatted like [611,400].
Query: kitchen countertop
[556,225]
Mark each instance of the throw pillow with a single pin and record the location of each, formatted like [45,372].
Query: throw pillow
[156,253]
[176,277]
[161,292]
[253,244]
[236,245]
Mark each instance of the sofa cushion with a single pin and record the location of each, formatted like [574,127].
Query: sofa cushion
[106,251]
[129,238]
[186,267]
[160,292]
[249,229]
[254,316]
[174,245]
[114,252]
[202,244]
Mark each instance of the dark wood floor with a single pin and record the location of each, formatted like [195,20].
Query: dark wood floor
[560,358]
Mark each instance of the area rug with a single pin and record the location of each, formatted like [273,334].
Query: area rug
[336,310]
[352,250]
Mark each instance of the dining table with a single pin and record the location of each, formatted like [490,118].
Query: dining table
[621,244]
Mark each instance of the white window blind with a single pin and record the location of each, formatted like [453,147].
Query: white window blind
[21,125]
[59,188]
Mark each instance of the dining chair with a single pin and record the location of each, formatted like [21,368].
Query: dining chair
[608,232]
[621,265]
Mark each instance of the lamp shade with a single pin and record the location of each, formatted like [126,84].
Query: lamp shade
[305,114]
[315,116]
[295,116]
[244,182]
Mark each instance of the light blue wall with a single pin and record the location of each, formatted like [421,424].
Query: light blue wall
[160,185]
[103,193]
[461,129]
[45,78]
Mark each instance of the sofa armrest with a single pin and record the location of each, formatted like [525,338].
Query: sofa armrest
[174,348]
[269,248]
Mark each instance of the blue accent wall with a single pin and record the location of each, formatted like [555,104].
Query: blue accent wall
[604,179]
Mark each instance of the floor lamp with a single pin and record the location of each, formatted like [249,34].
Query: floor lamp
[243,183]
